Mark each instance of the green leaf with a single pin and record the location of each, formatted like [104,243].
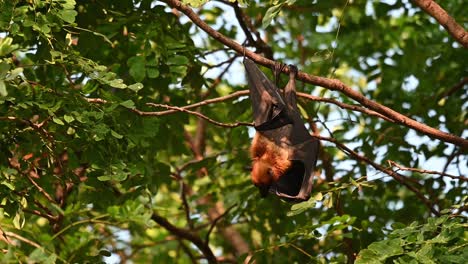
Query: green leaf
[8,184]
[328,201]
[367,256]
[180,70]
[178,60]
[7,46]
[118,83]
[115,134]
[4,68]
[318,196]
[68,15]
[40,256]
[120,176]
[128,104]
[137,67]
[3,90]
[19,220]
[71,131]
[104,178]
[68,4]
[270,14]
[387,248]
[136,87]
[14,73]
[58,121]
[152,72]
[68,118]
[301,207]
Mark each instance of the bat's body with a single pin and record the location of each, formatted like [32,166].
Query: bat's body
[269,162]
[283,152]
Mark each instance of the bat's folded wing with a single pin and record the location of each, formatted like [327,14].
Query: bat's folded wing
[296,184]
[269,109]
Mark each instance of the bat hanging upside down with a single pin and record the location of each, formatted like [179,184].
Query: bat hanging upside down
[283,152]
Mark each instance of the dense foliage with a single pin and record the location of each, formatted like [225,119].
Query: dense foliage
[99,164]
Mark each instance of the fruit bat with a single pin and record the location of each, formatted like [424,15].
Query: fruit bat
[283,152]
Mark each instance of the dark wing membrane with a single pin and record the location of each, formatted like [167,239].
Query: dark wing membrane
[267,104]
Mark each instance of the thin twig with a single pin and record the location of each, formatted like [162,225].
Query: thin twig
[237,124]
[400,167]
[41,190]
[345,106]
[43,207]
[453,89]
[450,159]
[186,234]
[398,177]
[229,62]
[183,194]
[215,221]
[246,93]
[203,103]
[94,220]
[25,240]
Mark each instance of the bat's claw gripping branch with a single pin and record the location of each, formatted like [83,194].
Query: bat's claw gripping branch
[292,71]
[277,69]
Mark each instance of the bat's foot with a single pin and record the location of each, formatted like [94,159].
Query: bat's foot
[277,69]
[292,199]
[292,71]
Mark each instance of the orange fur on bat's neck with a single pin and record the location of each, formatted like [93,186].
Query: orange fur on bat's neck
[269,161]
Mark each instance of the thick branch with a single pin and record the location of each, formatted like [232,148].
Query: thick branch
[186,235]
[437,12]
[331,84]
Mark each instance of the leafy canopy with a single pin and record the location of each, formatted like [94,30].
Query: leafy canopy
[99,164]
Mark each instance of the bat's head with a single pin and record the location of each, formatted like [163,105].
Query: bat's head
[262,176]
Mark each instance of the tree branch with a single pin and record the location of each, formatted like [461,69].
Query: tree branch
[331,84]
[185,234]
[215,221]
[23,239]
[400,167]
[437,12]
[453,89]
[41,190]
[398,177]
[245,24]
[237,124]
[246,93]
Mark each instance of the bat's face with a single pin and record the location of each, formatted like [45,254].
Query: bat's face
[262,176]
